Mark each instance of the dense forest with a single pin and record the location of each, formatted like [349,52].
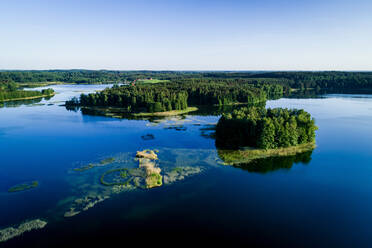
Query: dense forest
[145,98]
[88,76]
[205,91]
[333,81]
[264,128]
[9,91]
[176,95]
[321,81]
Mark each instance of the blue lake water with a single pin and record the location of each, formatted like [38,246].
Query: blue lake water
[324,202]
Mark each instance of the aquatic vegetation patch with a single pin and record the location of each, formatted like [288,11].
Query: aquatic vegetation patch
[180,173]
[84,168]
[89,166]
[119,176]
[148,137]
[83,204]
[177,128]
[107,160]
[11,232]
[147,173]
[23,186]
[125,175]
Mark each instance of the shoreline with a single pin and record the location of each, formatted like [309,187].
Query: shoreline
[117,112]
[166,113]
[27,98]
[241,156]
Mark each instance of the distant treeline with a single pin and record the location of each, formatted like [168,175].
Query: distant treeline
[88,76]
[333,81]
[177,95]
[322,81]
[265,128]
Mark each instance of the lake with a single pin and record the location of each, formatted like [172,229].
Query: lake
[322,199]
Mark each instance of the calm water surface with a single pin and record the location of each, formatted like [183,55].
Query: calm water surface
[324,201]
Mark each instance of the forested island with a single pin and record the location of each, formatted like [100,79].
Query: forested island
[256,132]
[176,96]
[10,92]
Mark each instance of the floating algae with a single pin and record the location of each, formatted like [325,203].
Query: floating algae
[83,204]
[107,161]
[11,232]
[177,127]
[180,173]
[84,168]
[119,176]
[89,166]
[145,171]
[148,136]
[23,186]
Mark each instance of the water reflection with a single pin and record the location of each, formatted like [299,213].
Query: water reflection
[14,104]
[267,165]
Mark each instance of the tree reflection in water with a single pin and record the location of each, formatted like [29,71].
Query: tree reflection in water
[266,165]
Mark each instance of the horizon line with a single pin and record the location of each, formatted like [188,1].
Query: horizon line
[187,70]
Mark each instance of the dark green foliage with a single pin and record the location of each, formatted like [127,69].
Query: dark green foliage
[7,86]
[265,128]
[47,91]
[176,95]
[328,81]
[145,98]
[6,95]
[331,81]
[221,91]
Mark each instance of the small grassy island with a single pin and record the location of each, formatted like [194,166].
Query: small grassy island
[23,186]
[252,133]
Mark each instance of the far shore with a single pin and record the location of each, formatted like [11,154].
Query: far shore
[43,84]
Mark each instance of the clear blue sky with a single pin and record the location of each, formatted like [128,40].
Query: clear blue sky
[186,35]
